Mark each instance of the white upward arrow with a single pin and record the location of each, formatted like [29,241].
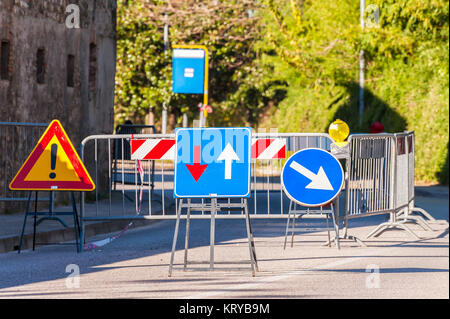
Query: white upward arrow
[318,181]
[228,155]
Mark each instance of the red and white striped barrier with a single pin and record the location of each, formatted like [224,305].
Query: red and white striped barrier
[152,149]
[270,148]
[164,149]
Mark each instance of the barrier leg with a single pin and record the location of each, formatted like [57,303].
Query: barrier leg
[186,241]
[404,227]
[415,219]
[380,228]
[391,224]
[424,213]
[385,226]
[175,237]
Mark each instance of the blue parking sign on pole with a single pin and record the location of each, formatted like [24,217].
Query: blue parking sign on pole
[212,162]
[312,177]
[188,71]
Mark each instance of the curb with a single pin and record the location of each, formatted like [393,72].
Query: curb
[53,237]
[66,236]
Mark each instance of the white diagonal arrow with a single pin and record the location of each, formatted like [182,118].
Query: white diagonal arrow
[228,155]
[318,181]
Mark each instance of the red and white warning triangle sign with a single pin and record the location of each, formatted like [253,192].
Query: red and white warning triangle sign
[53,165]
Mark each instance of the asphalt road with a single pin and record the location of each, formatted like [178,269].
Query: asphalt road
[393,265]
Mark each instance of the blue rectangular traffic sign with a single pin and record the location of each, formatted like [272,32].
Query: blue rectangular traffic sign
[188,71]
[212,162]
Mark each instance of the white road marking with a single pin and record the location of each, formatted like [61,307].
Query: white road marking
[271,279]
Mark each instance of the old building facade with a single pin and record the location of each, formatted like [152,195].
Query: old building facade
[53,70]
[57,61]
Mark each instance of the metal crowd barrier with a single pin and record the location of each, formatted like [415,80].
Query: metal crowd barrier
[121,176]
[369,186]
[121,149]
[380,180]
[118,180]
[266,174]
[406,149]
[17,140]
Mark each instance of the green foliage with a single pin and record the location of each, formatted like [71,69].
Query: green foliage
[295,66]
[408,69]
[317,46]
[238,87]
[142,67]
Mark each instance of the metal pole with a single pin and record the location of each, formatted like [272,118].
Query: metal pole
[185,120]
[250,239]
[186,241]
[166,47]
[202,120]
[164,119]
[175,237]
[212,232]
[361,66]
[203,113]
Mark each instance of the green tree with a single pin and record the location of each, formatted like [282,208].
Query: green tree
[229,29]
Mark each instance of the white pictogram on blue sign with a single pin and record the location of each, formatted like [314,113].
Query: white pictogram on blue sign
[312,177]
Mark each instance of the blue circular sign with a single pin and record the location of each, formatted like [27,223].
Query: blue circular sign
[312,177]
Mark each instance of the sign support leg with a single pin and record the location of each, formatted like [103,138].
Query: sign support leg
[251,243]
[52,215]
[24,222]
[336,220]
[175,237]
[212,234]
[328,230]
[336,226]
[287,224]
[76,225]
[35,220]
[81,221]
[293,229]
[186,241]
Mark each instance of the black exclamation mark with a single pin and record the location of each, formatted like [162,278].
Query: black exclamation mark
[53,160]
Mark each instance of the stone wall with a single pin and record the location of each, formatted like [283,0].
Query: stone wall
[85,106]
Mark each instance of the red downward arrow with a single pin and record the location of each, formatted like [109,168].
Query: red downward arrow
[196,169]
